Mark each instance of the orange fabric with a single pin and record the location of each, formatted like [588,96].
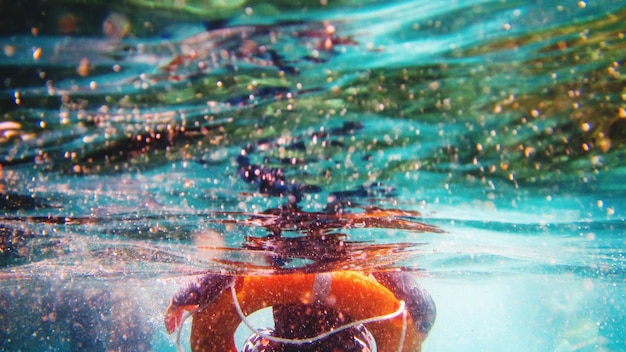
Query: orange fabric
[353,293]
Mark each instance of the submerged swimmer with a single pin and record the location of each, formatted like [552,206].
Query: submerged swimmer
[321,306]
[342,311]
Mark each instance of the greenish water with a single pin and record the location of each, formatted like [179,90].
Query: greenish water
[491,133]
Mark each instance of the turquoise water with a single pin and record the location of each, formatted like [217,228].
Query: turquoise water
[489,135]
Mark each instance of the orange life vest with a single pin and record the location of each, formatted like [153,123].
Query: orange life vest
[355,294]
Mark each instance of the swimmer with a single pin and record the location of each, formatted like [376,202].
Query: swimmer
[343,310]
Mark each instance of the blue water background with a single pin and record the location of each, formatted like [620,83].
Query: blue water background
[500,122]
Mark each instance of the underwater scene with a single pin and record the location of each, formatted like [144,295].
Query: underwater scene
[312,175]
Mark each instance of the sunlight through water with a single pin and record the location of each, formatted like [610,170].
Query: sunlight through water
[155,155]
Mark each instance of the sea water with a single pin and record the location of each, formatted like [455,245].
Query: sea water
[489,137]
